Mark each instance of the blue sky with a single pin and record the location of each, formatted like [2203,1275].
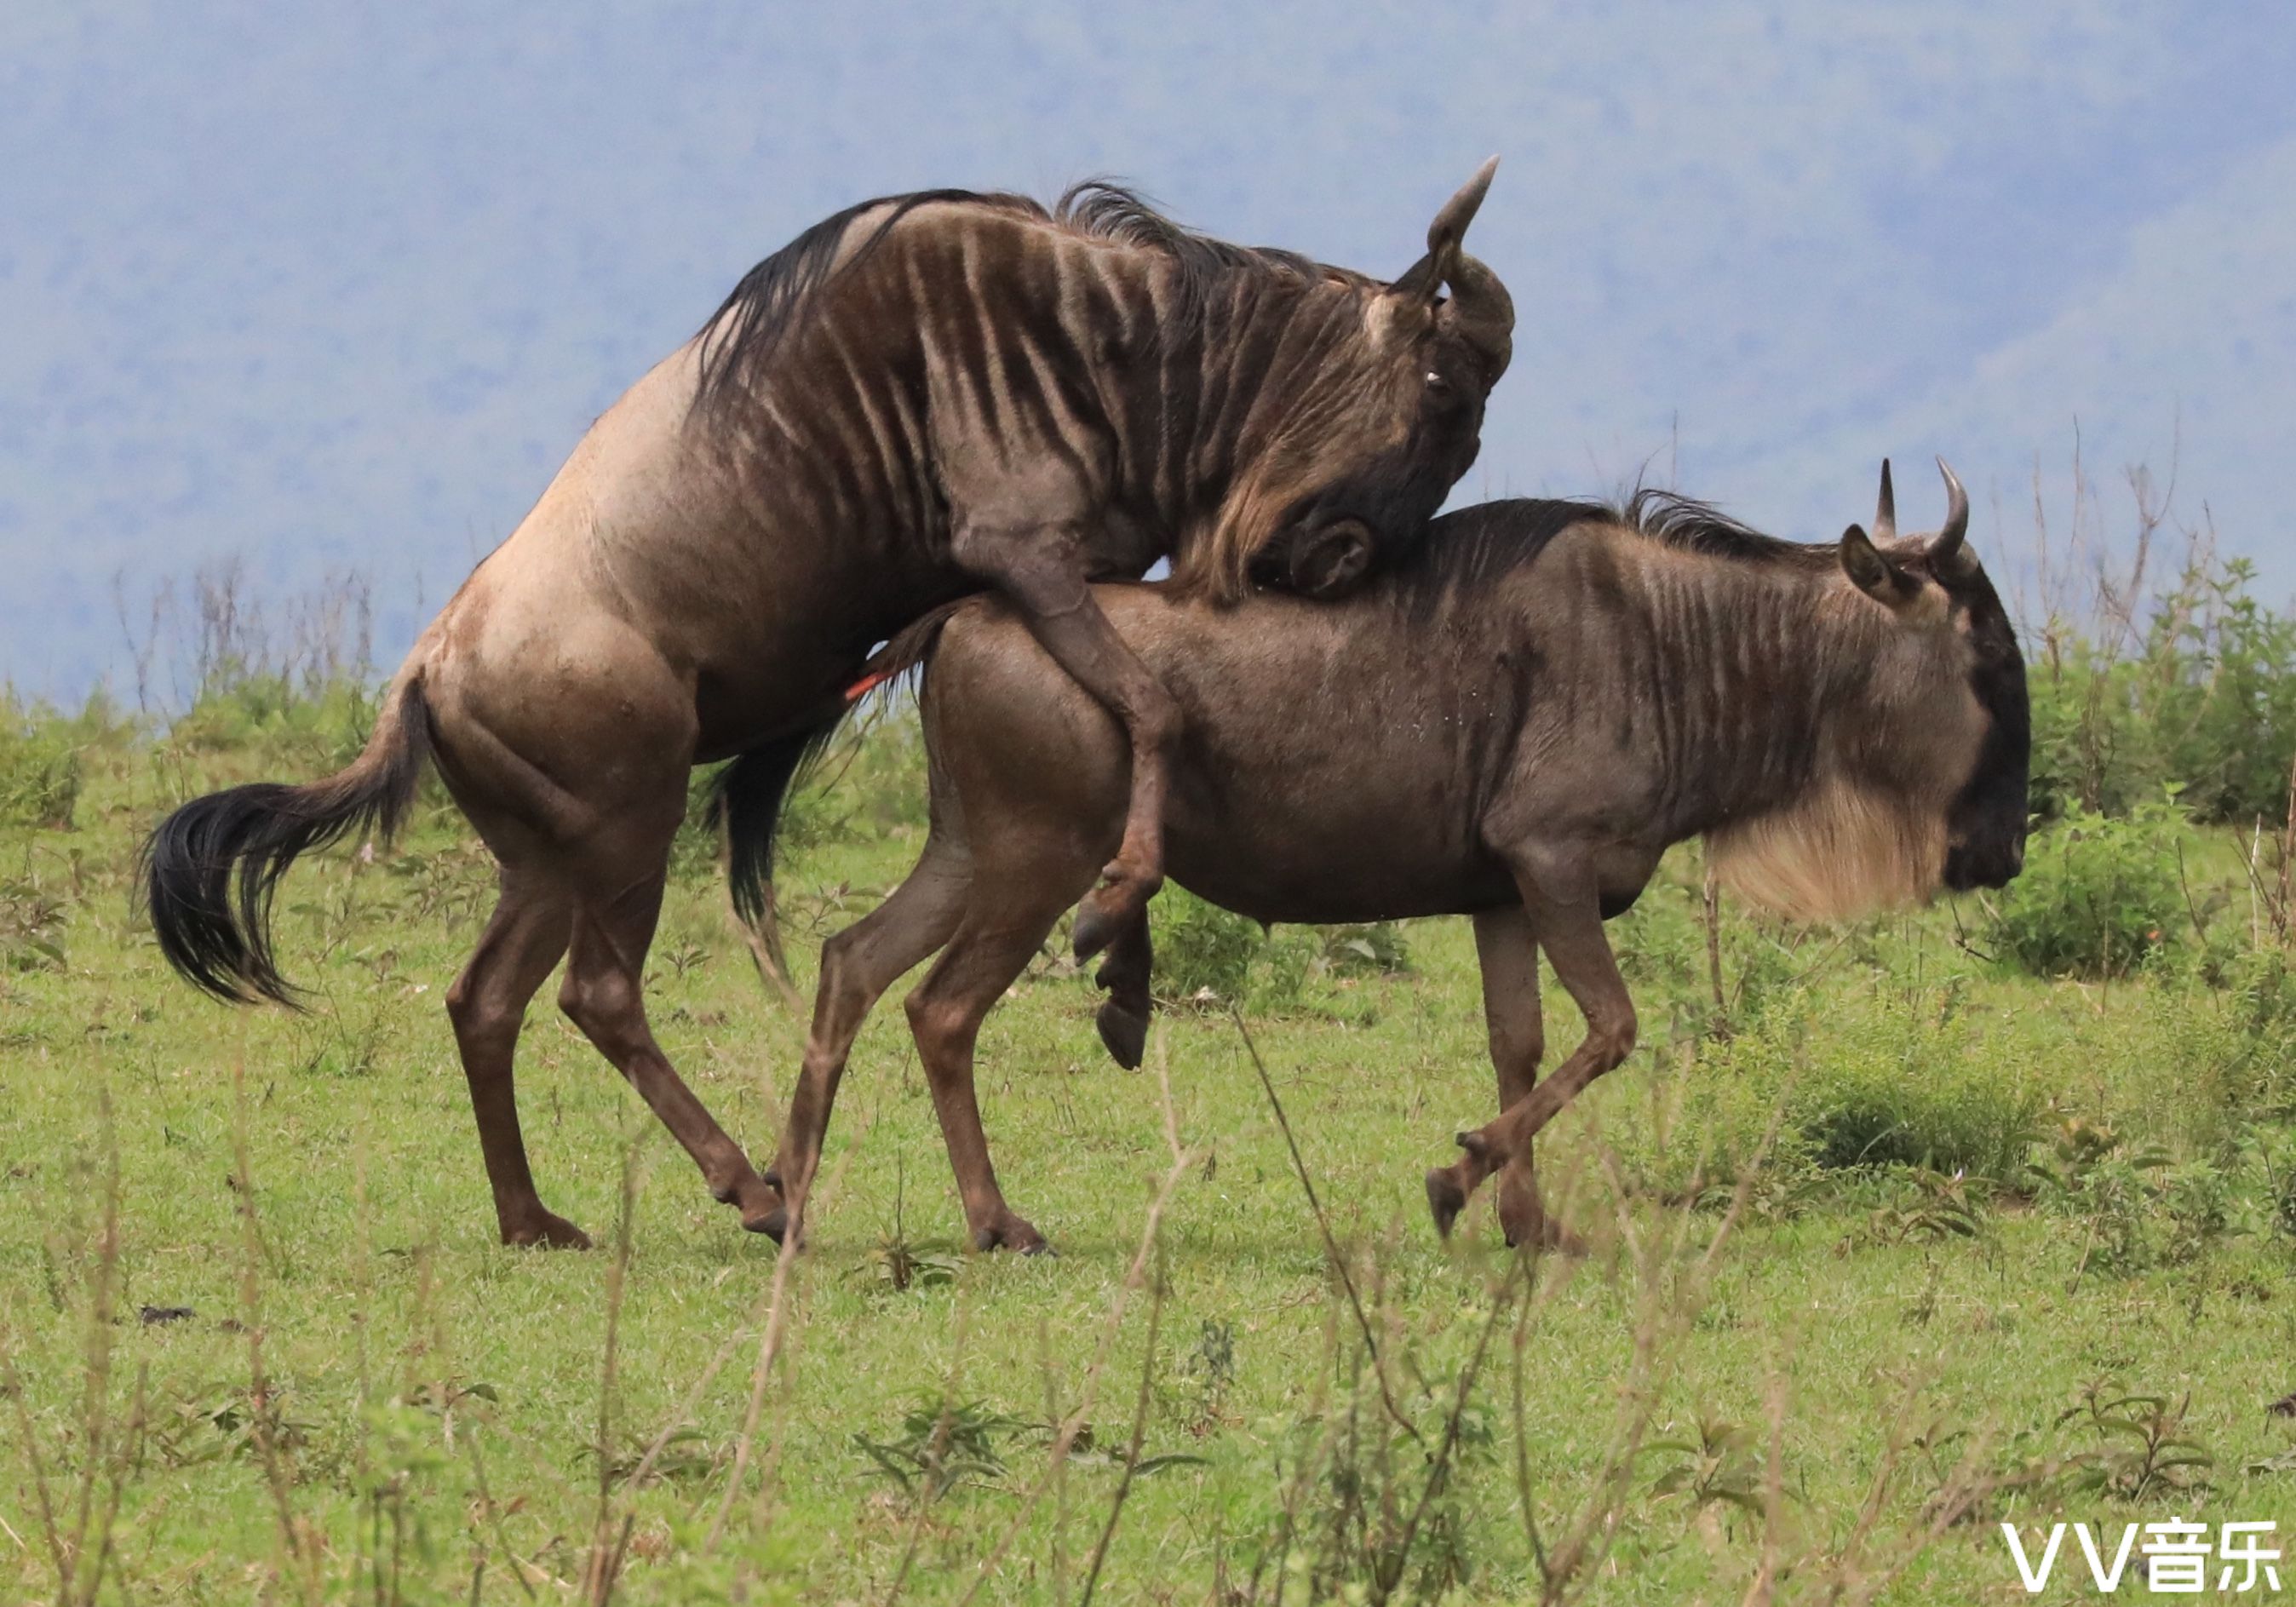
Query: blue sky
[332,288]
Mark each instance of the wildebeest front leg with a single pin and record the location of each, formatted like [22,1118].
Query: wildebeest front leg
[1046,579]
[1563,914]
[1508,953]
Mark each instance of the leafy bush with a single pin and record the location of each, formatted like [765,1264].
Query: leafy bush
[39,769]
[1873,1086]
[1202,948]
[31,926]
[1376,949]
[322,725]
[2205,701]
[1204,951]
[2098,894]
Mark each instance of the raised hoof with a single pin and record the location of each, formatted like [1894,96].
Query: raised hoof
[551,1232]
[1125,1031]
[773,1222]
[1098,919]
[1445,1199]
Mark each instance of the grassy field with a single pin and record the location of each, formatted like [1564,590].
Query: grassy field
[1898,1243]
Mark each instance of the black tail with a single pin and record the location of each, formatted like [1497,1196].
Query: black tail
[745,803]
[209,870]
[746,798]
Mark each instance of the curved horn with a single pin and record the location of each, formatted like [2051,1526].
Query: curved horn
[1946,549]
[1450,225]
[1885,512]
[1425,278]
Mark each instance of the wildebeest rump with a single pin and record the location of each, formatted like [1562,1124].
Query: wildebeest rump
[916,398]
[1514,725]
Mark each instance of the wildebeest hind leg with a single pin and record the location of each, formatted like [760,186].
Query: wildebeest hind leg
[487,1006]
[1508,953]
[1004,925]
[856,966]
[617,899]
[1563,916]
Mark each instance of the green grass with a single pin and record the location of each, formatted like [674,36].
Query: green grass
[428,1426]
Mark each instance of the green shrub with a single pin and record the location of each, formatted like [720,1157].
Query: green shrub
[40,771]
[32,921]
[1375,949]
[2205,702]
[299,724]
[1202,948]
[1206,953]
[2098,896]
[1879,1084]
[1898,1088]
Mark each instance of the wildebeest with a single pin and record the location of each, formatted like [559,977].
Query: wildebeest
[1515,724]
[916,398]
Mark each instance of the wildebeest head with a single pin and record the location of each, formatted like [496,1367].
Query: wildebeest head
[1383,420]
[1935,583]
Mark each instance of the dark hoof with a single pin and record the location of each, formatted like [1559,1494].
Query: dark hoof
[1445,1199]
[771,1175]
[1542,1234]
[1125,1031]
[1016,1235]
[551,1232]
[773,1223]
[1098,919]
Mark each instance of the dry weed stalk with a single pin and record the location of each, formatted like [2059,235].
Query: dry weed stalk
[304,1547]
[1064,1439]
[1323,1227]
[79,1537]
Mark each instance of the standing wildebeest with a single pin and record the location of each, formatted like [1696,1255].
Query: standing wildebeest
[1515,725]
[913,398]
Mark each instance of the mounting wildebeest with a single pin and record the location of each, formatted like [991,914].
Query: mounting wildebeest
[916,398]
[1514,724]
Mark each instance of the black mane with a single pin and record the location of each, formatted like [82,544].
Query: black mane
[1695,527]
[741,335]
[1105,209]
[1476,546]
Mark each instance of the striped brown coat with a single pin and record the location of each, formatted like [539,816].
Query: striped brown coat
[918,397]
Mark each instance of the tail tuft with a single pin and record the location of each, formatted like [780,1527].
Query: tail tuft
[209,870]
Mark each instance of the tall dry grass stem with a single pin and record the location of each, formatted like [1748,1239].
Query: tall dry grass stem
[1323,1227]
[1064,1439]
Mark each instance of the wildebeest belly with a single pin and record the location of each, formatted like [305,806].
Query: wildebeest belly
[1324,824]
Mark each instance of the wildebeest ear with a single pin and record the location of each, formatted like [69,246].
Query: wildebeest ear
[1872,573]
[1332,561]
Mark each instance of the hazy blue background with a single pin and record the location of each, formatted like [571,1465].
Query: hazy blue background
[336,287]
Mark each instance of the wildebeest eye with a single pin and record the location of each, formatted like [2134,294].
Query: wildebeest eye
[1437,383]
